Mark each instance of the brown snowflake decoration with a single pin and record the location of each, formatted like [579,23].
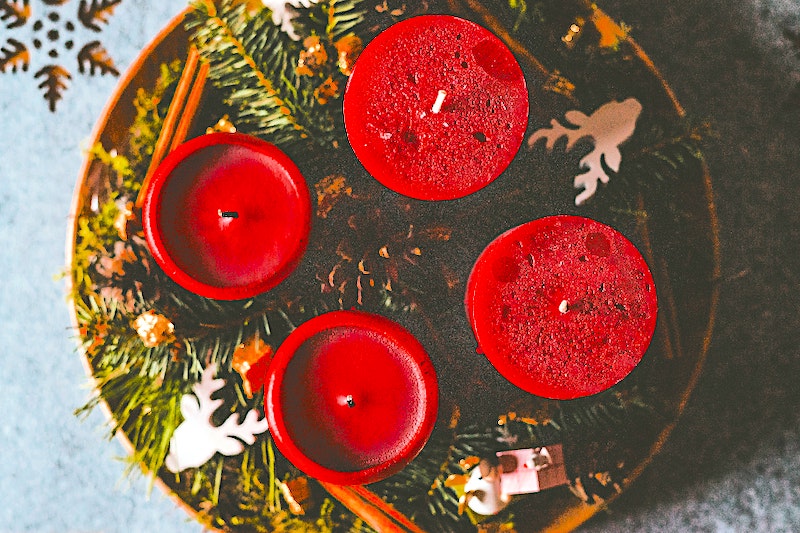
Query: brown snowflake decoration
[42,38]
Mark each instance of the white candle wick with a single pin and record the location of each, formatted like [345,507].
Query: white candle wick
[437,105]
[563,307]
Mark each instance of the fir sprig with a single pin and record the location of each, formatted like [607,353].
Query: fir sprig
[664,156]
[249,60]
[421,489]
[670,154]
[144,404]
[255,64]
[331,19]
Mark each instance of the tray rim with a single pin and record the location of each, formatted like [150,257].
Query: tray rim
[571,518]
[77,203]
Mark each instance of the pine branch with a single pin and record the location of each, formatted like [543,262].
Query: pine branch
[146,410]
[256,66]
[249,60]
[420,490]
[663,157]
[670,155]
[54,83]
[92,14]
[14,13]
[332,19]
[96,58]
[16,56]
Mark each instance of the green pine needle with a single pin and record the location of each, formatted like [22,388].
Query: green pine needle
[254,63]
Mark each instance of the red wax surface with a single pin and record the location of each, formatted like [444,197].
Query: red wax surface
[526,277]
[389,99]
[227,257]
[375,363]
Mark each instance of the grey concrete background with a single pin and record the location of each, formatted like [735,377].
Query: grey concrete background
[733,462]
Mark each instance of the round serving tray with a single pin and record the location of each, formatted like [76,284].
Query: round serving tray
[681,247]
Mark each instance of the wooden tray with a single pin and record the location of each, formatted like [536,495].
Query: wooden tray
[686,280]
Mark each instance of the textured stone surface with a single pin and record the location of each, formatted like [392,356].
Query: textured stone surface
[733,462]
[58,473]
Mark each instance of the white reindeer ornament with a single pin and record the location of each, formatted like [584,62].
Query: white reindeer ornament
[196,439]
[282,15]
[609,126]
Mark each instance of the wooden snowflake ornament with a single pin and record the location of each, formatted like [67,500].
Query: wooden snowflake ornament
[196,440]
[17,55]
[609,126]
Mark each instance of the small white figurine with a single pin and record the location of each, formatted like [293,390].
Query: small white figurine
[609,126]
[482,492]
[196,439]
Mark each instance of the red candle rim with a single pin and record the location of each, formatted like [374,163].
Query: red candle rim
[159,249]
[277,419]
[481,317]
[496,60]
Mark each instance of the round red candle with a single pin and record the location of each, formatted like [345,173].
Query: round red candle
[563,306]
[227,215]
[436,107]
[351,397]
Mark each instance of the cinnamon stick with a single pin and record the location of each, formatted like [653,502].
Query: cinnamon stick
[192,103]
[373,499]
[171,119]
[373,510]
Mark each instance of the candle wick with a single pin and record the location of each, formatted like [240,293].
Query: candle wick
[437,105]
[563,307]
[227,214]
[349,400]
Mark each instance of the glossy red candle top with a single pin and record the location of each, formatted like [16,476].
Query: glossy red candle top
[227,215]
[562,306]
[421,149]
[351,397]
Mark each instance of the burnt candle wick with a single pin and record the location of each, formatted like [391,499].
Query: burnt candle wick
[349,400]
[228,214]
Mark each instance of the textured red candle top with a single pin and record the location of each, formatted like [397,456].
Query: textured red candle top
[228,216]
[436,107]
[562,306]
[351,393]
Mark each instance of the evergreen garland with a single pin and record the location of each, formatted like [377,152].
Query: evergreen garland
[671,154]
[255,65]
[422,489]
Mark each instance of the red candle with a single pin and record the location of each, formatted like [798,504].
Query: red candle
[563,306]
[436,107]
[351,397]
[227,216]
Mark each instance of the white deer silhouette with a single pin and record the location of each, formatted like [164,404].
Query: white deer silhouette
[196,439]
[609,126]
